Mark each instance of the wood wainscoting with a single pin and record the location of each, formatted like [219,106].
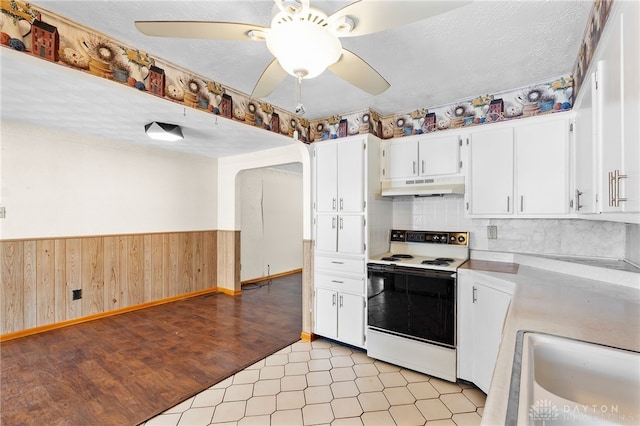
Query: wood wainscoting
[40,276]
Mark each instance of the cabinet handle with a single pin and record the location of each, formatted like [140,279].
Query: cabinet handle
[337,282]
[611,190]
[578,205]
[522,203]
[414,167]
[475,295]
[616,177]
[508,203]
[422,166]
[333,299]
[333,204]
[333,223]
[337,263]
[341,301]
[341,223]
[341,204]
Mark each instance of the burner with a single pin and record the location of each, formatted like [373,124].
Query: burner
[402,256]
[445,259]
[390,258]
[437,262]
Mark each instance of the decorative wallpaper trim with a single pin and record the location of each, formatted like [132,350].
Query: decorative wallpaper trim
[35,31]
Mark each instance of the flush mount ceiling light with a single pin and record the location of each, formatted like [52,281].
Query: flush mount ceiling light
[163,131]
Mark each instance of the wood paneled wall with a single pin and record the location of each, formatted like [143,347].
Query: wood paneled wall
[113,272]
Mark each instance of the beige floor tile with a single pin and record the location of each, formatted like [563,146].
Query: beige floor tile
[317,414]
[373,401]
[290,400]
[272,372]
[246,376]
[296,368]
[385,367]
[337,350]
[238,392]
[480,411]
[413,376]
[457,403]
[392,379]
[319,364]
[182,407]
[319,378]
[277,359]
[301,346]
[291,383]
[196,416]
[466,419]
[287,418]
[344,389]
[341,361]
[476,396]
[229,411]
[266,387]
[377,418]
[299,356]
[361,358]
[254,421]
[342,374]
[423,390]
[284,350]
[443,386]
[399,396]
[406,415]
[321,344]
[164,420]
[346,407]
[320,353]
[433,409]
[363,370]
[369,384]
[223,384]
[261,405]
[258,365]
[442,422]
[318,394]
[349,421]
[208,398]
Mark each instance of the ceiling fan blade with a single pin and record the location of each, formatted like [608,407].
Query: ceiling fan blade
[199,29]
[355,70]
[271,78]
[379,15]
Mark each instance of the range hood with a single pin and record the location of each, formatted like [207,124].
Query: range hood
[423,186]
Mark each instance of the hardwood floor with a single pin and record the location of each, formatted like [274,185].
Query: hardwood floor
[127,368]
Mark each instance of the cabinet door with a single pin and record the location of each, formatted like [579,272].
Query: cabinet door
[403,159]
[350,171]
[326,318]
[326,232]
[351,319]
[489,310]
[439,155]
[584,148]
[326,177]
[541,164]
[350,234]
[491,175]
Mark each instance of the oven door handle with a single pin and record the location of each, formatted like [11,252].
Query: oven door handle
[416,272]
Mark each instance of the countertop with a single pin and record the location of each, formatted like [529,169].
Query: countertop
[604,310]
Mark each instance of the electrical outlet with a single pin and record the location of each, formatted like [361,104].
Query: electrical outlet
[3,212]
[492,232]
[76,294]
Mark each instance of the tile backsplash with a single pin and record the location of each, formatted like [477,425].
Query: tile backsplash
[574,237]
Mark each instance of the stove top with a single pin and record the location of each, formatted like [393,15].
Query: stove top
[444,251]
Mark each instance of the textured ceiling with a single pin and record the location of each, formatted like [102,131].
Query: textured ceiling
[484,47]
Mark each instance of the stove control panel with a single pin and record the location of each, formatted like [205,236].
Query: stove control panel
[453,238]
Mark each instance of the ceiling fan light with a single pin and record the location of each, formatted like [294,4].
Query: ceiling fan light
[302,45]
[344,25]
[163,131]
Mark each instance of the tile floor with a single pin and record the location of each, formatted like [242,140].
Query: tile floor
[321,383]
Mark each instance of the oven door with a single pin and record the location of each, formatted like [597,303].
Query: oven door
[412,302]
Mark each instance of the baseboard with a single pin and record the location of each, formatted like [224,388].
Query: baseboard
[307,337]
[54,326]
[270,277]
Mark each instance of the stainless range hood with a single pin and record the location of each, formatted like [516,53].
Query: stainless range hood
[426,186]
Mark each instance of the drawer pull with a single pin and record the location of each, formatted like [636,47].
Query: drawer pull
[337,282]
[337,263]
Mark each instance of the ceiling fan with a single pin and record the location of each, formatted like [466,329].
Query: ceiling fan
[305,40]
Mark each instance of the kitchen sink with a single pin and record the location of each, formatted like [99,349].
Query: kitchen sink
[561,381]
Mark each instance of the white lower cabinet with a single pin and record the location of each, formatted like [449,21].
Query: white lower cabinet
[482,308]
[339,316]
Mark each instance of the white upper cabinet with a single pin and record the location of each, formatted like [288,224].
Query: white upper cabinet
[584,151]
[340,176]
[423,155]
[520,169]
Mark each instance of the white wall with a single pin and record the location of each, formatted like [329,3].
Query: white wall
[57,184]
[576,237]
[271,222]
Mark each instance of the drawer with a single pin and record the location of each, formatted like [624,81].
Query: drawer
[341,265]
[349,285]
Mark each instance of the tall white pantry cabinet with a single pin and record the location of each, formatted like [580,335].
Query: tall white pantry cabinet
[349,217]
